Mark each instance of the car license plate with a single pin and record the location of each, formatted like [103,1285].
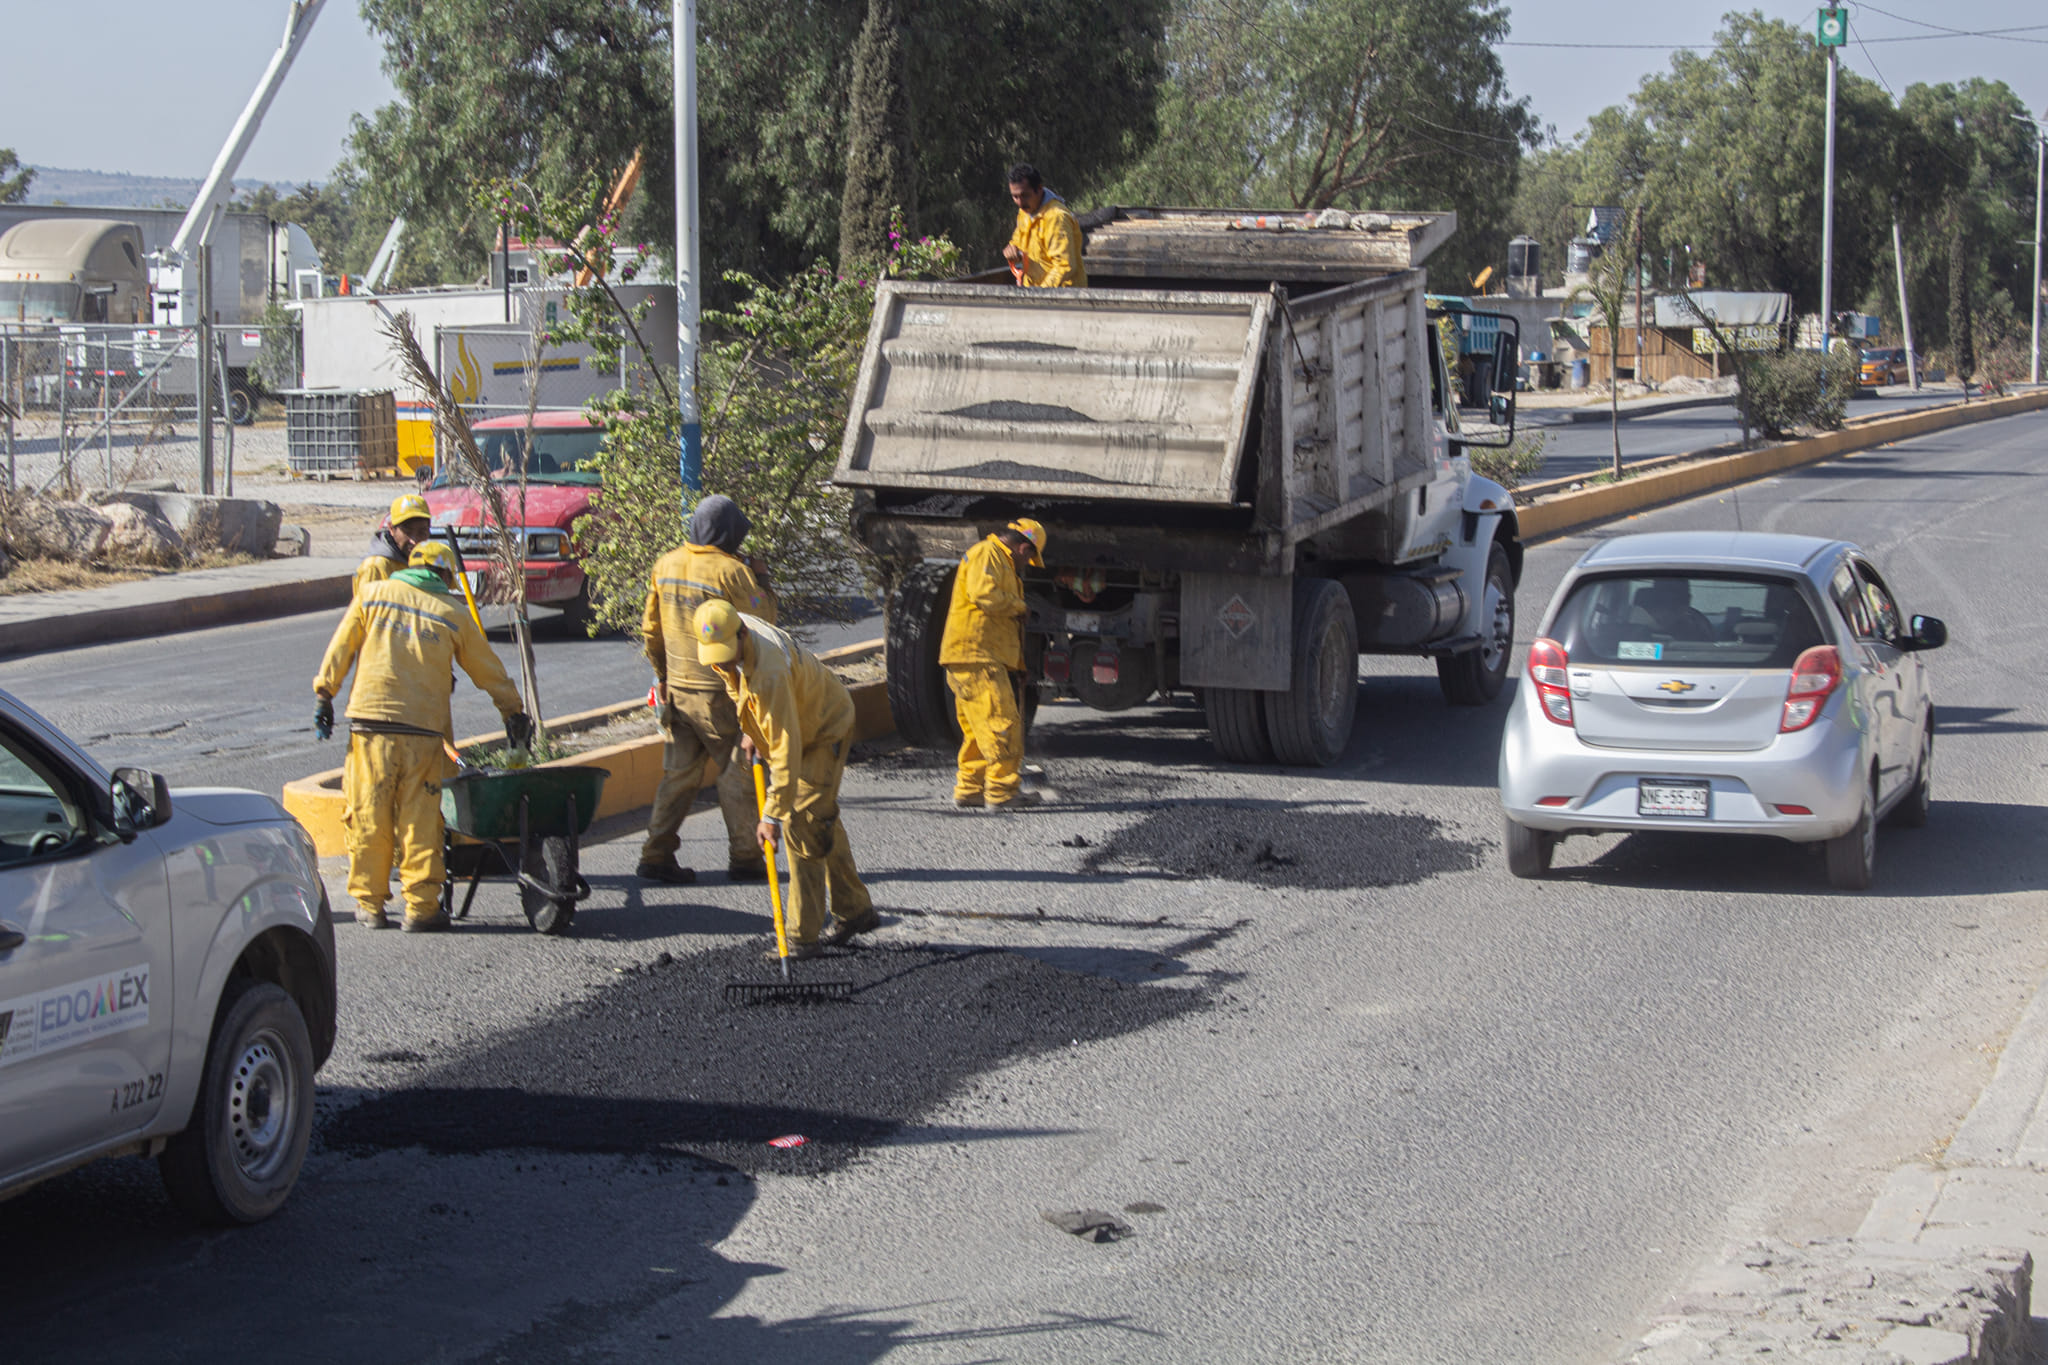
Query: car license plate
[1672,798]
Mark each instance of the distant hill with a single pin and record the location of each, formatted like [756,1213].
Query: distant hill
[119,189]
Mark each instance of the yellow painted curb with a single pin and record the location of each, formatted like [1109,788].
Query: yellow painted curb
[1563,512]
[635,765]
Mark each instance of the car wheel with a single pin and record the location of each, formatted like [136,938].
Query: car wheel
[1852,858]
[238,1157]
[1529,850]
[1912,812]
[1476,676]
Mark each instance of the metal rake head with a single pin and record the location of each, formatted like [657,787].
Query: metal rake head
[787,992]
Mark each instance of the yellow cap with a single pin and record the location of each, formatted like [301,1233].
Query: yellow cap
[409,507]
[1033,532]
[434,554]
[718,632]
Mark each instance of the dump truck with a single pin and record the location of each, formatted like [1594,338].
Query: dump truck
[1249,456]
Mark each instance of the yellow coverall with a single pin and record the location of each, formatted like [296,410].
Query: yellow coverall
[1051,242]
[373,569]
[982,646]
[403,641]
[800,718]
[698,721]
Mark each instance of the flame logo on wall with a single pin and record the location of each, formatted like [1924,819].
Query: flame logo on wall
[466,385]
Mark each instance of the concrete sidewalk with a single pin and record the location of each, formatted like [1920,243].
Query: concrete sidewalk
[1558,414]
[31,623]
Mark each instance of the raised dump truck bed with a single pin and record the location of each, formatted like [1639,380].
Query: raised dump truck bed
[1238,482]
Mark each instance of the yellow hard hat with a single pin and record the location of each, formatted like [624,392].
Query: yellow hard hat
[434,554]
[409,507]
[718,632]
[1033,532]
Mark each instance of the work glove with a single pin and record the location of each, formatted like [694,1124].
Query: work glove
[519,730]
[323,719]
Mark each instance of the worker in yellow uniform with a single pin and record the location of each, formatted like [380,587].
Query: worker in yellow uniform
[403,637]
[1045,250]
[391,545]
[697,717]
[983,645]
[799,719]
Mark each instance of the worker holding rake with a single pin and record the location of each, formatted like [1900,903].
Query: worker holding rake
[799,719]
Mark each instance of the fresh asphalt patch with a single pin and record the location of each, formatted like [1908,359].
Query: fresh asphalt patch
[1281,845]
[657,1064]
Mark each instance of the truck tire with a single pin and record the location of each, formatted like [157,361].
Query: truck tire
[241,1152]
[1475,677]
[918,696]
[1237,724]
[1310,723]
[241,405]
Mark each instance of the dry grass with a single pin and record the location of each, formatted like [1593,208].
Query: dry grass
[51,575]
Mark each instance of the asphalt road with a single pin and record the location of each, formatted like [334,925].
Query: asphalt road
[1583,447]
[1357,1094]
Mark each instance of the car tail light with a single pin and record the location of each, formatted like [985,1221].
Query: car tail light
[1107,666]
[1058,664]
[1547,665]
[1815,676]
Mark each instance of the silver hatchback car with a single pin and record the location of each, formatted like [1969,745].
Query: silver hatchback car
[1722,683]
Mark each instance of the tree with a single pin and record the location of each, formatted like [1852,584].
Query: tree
[880,169]
[1346,103]
[15,178]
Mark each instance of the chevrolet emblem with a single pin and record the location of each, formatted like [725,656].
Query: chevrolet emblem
[1674,687]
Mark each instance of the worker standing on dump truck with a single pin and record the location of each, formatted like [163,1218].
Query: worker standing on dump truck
[698,721]
[799,719]
[1045,250]
[391,545]
[982,651]
[403,637]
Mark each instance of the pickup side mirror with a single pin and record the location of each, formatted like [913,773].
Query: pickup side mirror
[140,800]
[1928,633]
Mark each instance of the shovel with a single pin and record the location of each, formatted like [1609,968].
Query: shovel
[784,991]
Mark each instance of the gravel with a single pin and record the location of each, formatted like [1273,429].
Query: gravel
[1284,846]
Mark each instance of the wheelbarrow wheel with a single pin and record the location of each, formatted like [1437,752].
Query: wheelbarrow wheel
[552,862]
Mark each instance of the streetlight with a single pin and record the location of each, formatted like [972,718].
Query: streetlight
[2040,169]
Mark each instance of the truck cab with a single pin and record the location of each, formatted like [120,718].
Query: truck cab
[73,270]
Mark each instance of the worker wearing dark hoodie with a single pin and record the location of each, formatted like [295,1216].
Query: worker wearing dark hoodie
[698,720]
[391,546]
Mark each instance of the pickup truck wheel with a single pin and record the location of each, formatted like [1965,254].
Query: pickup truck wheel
[918,696]
[1476,676]
[1311,721]
[239,1156]
[577,614]
[1529,850]
[1237,724]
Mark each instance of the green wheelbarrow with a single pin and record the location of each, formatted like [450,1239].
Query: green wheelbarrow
[527,822]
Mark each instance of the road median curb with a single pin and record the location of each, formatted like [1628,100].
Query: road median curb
[634,765]
[1562,513]
[138,620]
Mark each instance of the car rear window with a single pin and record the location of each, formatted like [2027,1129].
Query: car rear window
[1698,620]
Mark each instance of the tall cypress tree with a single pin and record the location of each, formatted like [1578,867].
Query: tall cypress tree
[880,172]
[1961,342]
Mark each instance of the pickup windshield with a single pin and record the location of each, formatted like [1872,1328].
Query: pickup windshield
[563,457]
[1689,619]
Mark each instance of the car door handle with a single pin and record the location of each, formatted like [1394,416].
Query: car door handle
[11,937]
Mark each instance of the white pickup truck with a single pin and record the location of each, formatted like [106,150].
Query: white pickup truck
[166,977]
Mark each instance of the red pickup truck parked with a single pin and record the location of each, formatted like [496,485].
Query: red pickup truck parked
[560,483]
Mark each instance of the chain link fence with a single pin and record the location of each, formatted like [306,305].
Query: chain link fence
[101,406]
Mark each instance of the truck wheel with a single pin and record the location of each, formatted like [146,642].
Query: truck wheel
[1237,724]
[552,862]
[241,406]
[1475,677]
[918,696]
[238,1157]
[577,614]
[1529,850]
[1311,721]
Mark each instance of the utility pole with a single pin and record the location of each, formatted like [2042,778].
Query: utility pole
[1639,291]
[2040,170]
[683,18]
[1905,313]
[202,368]
[1833,32]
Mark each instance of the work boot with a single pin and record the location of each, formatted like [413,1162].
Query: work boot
[968,803]
[426,924]
[373,919]
[671,872]
[746,872]
[1019,801]
[798,952]
[843,931]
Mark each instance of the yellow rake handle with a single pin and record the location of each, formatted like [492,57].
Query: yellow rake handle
[774,873]
[463,578]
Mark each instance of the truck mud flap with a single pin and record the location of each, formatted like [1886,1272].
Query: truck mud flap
[1236,630]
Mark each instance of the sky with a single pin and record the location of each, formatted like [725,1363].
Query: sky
[203,66]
